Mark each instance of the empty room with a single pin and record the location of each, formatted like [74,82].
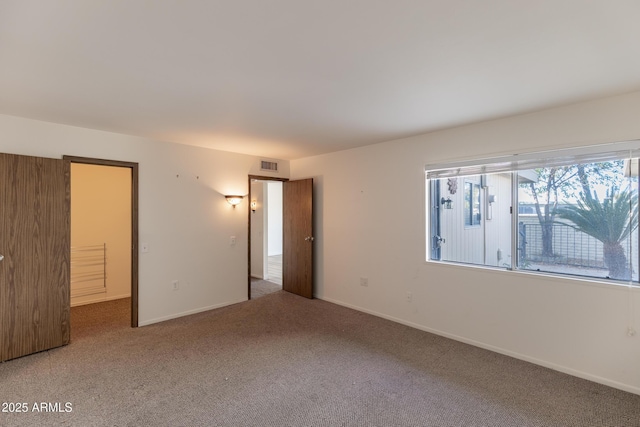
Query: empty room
[456,236]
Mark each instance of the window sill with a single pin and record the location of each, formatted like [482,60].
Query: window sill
[547,276]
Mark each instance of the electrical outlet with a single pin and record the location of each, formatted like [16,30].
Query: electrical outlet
[409,297]
[364,281]
[175,285]
[631,332]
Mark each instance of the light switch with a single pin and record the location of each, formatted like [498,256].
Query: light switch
[144,248]
[232,240]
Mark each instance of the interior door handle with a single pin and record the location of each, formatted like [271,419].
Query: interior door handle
[309,239]
[1,257]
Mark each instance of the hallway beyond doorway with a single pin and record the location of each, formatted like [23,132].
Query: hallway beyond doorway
[274,269]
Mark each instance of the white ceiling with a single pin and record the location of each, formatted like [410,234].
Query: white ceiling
[293,78]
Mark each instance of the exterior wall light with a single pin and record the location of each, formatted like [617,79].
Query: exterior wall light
[446,202]
[234,200]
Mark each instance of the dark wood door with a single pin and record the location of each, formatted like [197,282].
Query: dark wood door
[297,244]
[34,241]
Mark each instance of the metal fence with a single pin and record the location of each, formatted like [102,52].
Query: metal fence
[570,246]
[573,252]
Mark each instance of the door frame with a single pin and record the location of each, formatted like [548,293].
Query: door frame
[435,251]
[134,221]
[259,178]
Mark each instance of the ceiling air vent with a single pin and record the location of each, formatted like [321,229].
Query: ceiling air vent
[268,166]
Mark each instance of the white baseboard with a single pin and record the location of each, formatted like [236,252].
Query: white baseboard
[187,313]
[99,299]
[536,361]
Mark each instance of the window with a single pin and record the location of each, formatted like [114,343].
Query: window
[471,204]
[572,212]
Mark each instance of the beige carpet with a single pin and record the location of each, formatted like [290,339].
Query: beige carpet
[283,360]
[260,288]
[92,319]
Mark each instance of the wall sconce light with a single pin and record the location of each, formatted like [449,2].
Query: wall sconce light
[234,200]
[446,202]
[254,204]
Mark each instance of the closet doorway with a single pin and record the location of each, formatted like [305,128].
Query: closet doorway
[104,223]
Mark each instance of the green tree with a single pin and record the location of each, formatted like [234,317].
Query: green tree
[555,184]
[551,183]
[610,221]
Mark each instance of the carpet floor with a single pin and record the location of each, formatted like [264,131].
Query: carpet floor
[282,360]
[260,288]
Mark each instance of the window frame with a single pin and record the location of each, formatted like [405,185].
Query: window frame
[629,151]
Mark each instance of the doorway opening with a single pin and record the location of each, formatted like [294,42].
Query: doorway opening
[265,236]
[104,241]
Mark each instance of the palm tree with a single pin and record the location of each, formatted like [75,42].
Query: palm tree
[610,221]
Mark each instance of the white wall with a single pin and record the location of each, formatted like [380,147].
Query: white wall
[370,222]
[462,243]
[478,244]
[258,219]
[183,215]
[274,218]
[101,214]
